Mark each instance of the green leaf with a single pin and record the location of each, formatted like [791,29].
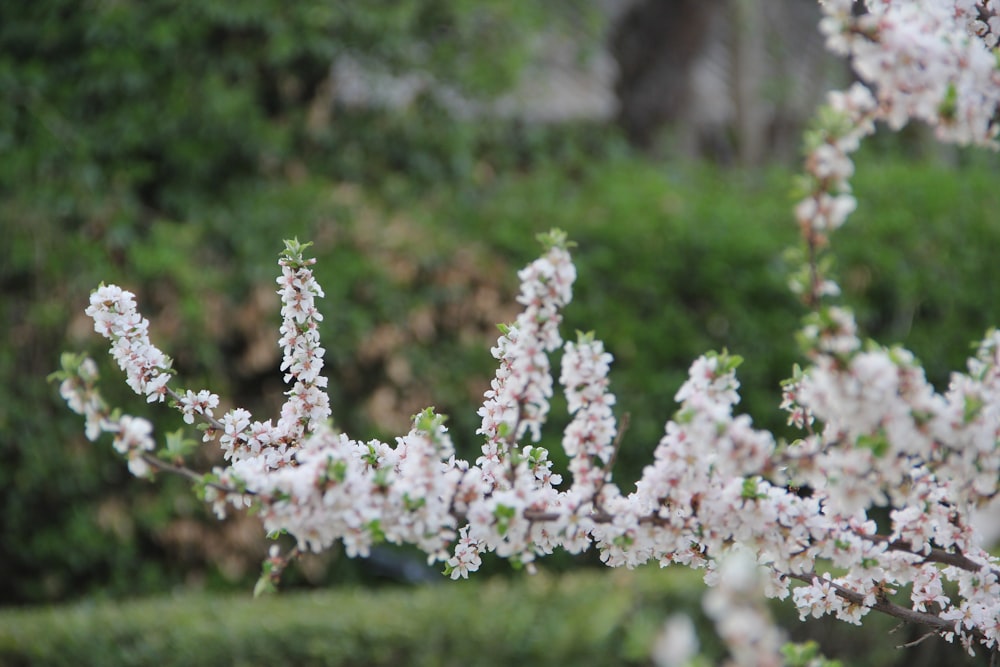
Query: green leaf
[503,514]
[336,469]
[177,447]
[555,238]
[375,530]
[294,249]
[750,491]
[428,421]
[878,443]
[412,504]
[971,408]
[949,104]
[265,583]
[208,479]
[685,416]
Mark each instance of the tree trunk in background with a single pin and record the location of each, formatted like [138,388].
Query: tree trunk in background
[748,68]
[731,80]
[656,44]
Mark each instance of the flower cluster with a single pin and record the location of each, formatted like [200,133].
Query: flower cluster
[302,360]
[147,369]
[875,434]
[362,492]
[927,60]
[841,126]
[147,373]
[924,60]
[589,438]
[518,398]
[133,436]
[307,404]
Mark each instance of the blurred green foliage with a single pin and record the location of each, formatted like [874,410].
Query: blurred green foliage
[126,107]
[596,618]
[170,147]
[675,260]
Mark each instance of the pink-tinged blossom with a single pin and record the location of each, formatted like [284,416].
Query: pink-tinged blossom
[925,60]
[202,403]
[466,558]
[133,439]
[589,438]
[235,423]
[115,317]
[824,212]
[518,399]
[816,599]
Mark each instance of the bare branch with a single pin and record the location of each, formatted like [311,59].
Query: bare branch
[936,555]
[193,476]
[917,641]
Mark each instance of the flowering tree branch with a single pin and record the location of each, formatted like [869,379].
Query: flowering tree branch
[875,433]
[881,604]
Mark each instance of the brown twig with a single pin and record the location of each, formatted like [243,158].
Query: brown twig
[883,605]
[936,555]
[918,641]
[192,475]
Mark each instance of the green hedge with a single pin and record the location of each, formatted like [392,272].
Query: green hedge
[605,618]
[542,620]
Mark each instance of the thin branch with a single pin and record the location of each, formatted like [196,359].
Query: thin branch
[936,555]
[193,476]
[918,641]
[211,421]
[813,297]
